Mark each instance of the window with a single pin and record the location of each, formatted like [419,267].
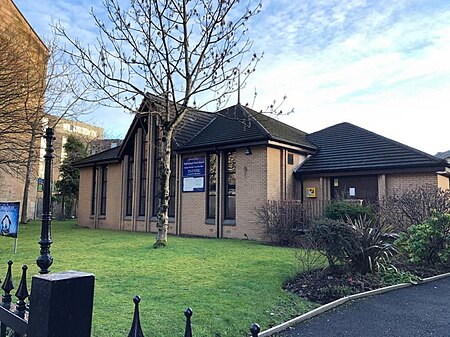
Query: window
[104,180]
[230,185]
[156,169]
[212,186]
[172,185]
[143,180]
[94,190]
[290,159]
[129,201]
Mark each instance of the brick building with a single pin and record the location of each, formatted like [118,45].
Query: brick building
[22,69]
[225,165]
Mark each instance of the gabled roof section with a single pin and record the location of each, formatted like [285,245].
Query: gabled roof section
[237,124]
[347,147]
[104,157]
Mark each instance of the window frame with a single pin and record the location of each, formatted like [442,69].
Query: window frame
[211,189]
[94,190]
[228,194]
[129,190]
[143,176]
[103,189]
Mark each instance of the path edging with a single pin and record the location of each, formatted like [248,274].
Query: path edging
[338,302]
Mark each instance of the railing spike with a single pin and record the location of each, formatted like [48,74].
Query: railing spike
[255,329]
[7,288]
[188,314]
[22,293]
[136,330]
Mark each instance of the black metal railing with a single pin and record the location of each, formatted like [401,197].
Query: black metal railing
[136,330]
[13,316]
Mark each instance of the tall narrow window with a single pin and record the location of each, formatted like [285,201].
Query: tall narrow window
[156,169]
[129,203]
[94,190]
[230,185]
[104,181]
[143,180]
[212,186]
[157,176]
[172,185]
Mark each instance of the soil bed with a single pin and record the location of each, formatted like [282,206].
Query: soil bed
[324,286]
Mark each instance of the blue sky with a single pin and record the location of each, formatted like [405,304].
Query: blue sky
[382,65]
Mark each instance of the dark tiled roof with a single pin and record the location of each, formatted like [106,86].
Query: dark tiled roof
[346,147]
[238,124]
[106,156]
[282,132]
[443,155]
[193,122]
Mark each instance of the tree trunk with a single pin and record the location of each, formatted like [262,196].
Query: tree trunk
[29,169]
[164,189]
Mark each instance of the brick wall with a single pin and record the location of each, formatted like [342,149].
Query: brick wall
[112,219]
[443,182]
[251,191]
[273,173]
[84,200]
[396,183]
[17,35]
[113,198]
[291,188]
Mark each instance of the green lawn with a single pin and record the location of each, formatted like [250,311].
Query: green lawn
[229,284]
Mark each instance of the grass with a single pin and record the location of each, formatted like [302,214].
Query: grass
[229,284]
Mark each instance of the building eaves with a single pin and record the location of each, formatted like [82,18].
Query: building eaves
[104,157]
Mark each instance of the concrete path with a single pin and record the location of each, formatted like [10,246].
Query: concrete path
[416,311]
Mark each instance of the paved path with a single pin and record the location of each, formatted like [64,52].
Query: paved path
[417,311]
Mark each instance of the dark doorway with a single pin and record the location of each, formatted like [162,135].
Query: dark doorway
[355,187]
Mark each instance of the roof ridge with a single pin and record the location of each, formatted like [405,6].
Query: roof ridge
[202,129]
[276,120]
[267,133]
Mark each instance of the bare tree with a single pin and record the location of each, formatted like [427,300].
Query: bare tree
[21,72]
[185,53]
[33,82]
[58,94]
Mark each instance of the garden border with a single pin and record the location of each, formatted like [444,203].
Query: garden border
[338,302]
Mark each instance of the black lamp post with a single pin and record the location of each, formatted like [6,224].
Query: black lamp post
[45,260]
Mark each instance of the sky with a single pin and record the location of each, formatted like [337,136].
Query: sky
[383,65]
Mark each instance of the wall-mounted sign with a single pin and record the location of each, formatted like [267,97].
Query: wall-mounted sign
[194,169]
[311,192]
[352,191]
[9,218]
[194,184]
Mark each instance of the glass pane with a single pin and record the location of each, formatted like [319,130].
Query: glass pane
[230,212]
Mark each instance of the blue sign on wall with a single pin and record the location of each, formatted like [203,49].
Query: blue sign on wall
[194,174]
[9,218]
[194,167]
